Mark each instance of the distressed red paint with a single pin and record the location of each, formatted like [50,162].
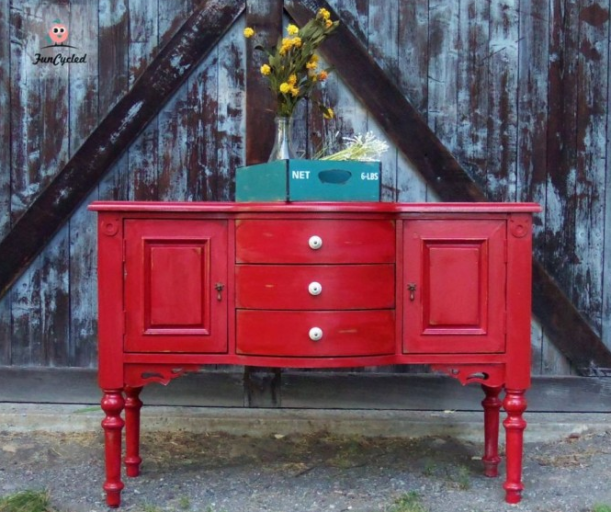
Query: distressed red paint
[252,273]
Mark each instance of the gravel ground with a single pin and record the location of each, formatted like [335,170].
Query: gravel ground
[314,473]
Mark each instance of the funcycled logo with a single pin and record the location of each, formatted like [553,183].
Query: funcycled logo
[56,37]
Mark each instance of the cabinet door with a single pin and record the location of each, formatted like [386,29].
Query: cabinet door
[454,286]
[172,268]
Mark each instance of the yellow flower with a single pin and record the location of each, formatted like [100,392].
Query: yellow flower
[292,69]
[324,14]
[287,44]
[329,114]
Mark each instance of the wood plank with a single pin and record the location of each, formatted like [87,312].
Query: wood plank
[55,300]
[413,58]
[502,60]
[5,165]
[433,392]
[231,119]
[199,102]
[606,292]
[5,330]
[472,88]
[143,46]
[26,330]
[207,84]
[383,31]
[592,90]
[172,120]
[84,116]
[83,287]
[307,390]
[265,17]
[532,144]
[39,107]
[443,70]
[113,78]
[560,204]
[79,386]
[127,118]
[5,119]
[532,110]
[569,330]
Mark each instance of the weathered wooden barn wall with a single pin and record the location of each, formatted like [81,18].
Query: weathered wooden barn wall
[516,89]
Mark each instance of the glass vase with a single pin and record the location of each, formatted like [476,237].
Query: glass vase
[283,142]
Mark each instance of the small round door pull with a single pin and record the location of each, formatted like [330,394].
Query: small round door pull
[315,288]
[315,242]
[315,333]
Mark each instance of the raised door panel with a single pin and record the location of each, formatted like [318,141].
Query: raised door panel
[454,286]
[172,269]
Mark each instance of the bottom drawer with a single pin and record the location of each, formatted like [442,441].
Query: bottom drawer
[316,333]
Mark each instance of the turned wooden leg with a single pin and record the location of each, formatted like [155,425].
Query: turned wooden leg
[492,406]
[133,404]
[515,405]
[112,405]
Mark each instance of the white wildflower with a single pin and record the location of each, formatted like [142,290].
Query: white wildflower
[365,148]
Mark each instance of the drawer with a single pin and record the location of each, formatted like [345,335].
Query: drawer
[342,333]
[315,287]
[315,241]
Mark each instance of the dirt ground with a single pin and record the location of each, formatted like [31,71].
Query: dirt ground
[314,473]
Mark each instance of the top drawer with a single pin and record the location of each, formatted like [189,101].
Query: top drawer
[315,241]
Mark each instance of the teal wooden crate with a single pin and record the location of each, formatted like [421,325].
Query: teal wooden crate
[309,180]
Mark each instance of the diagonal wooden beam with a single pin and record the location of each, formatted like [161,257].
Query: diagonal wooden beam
[567,328]
[170,68]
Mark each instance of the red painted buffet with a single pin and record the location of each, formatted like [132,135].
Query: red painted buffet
[314,285]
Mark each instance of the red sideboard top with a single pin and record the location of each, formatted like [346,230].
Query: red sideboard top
[383,207]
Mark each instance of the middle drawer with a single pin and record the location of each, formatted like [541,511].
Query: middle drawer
[315,287]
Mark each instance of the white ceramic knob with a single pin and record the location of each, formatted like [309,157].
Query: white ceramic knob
[315,242]
[315,288]
[315,333]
